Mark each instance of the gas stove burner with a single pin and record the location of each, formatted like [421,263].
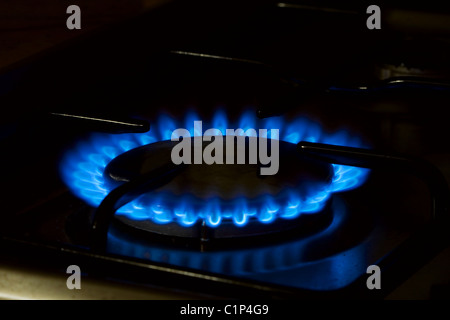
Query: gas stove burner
[193,198]
[237,191]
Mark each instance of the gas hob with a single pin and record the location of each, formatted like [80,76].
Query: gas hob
[138,155]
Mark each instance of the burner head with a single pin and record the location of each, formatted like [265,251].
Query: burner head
[225,182]
[223,186]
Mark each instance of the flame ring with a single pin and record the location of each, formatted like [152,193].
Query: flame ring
[82,170]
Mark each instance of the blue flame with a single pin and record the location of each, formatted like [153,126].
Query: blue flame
[82,170]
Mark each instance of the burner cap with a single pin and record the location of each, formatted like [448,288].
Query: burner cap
[223,181]
[223,185]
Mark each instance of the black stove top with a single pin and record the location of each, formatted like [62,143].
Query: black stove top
[362,181]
